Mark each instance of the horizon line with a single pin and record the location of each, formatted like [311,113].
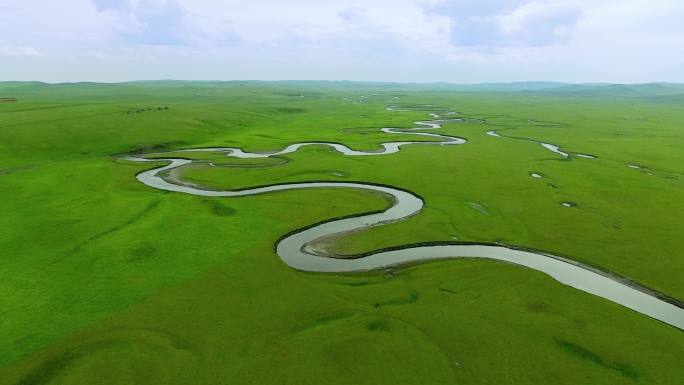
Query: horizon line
[662,82]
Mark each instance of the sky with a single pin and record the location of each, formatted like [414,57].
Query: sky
[456,41]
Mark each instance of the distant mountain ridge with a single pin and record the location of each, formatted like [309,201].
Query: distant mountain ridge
[655,90]
[645,89]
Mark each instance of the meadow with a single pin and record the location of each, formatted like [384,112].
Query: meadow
[107,281]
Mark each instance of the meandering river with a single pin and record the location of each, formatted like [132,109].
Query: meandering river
[296,251]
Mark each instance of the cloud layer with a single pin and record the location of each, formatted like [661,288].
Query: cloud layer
[410,40]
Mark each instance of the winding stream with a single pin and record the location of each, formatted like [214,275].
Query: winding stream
[551,147]
[296,250]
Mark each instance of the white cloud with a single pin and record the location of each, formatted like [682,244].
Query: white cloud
[619,41]
[19,51]
[412,40]
[541,21]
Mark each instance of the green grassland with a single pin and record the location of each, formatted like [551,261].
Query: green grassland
[107,281]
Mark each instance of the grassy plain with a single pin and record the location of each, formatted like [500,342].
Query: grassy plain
[106,281]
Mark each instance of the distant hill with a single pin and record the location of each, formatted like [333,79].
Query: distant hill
[617,90]
[510,87]
[480,87]
[657,92]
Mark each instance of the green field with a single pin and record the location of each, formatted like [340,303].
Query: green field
[107,281]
